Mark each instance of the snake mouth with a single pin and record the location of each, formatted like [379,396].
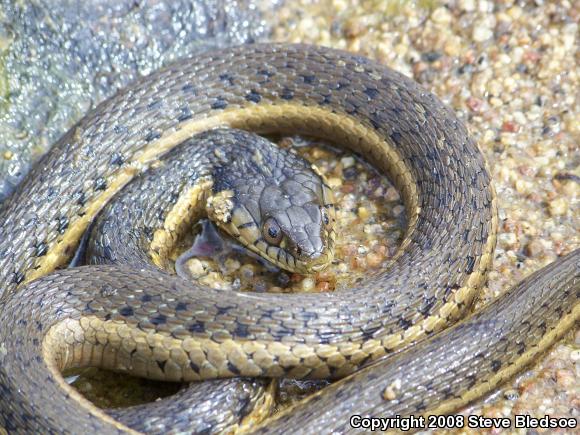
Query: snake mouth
[311,262]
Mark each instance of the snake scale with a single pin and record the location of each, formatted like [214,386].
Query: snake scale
[51,319]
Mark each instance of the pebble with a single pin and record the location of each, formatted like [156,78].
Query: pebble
[534,248]
[247,271]
[260,286]
[231,265]
[510,126]
[196,267]
[481,33]
[323,286]
[508,240]
[347,162]
[564,377]
[374,229]
[308,284]
[392,194]
[441,16]
[215,280]
[390,392]
[467,5]
[523,186]
[374,259]
[398,210]
[558,207]
[453,46]
[511,394]
[475,104]
[363,213]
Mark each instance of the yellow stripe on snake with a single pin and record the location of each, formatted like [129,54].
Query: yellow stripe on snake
[148,323]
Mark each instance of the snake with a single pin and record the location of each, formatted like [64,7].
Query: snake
[389,340]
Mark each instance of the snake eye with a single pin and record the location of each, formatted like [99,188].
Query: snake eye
[272,231]
[325,217]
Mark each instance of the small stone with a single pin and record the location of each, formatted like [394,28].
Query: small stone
[452,46]
[485,6]
[260,286]
[196,267]
[347,188]
[467,5]
[347,162]
[558,207]
[378,193]
[533,248]
[363,213]
[283,279]
[323,286]
[401,49]
[474,104]
[526,170]
[231,265]
[557,237]
[482,33]
[523,186]
[496,102]
[350,173]
[214,280]
[390,392]
[519,118]
[441,16]
[353,27]
[308,284]
[510,127]
[508,240]
[374,259]
[511,394]
[398,210]
[431,56]
[571,189]
[392,194]
[565,378]
[515,12]
[247,271]
[373,229]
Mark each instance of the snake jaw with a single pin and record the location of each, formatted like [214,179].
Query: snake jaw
[321,262]
[311,258]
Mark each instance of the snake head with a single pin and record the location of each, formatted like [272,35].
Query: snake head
[274,203]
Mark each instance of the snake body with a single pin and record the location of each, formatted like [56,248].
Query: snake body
[115,314]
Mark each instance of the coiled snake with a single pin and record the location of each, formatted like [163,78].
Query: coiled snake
[149,323]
